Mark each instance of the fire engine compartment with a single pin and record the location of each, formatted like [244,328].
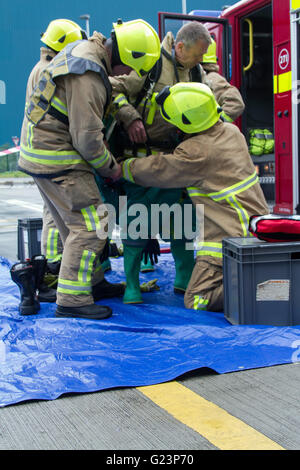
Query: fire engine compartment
[257,89]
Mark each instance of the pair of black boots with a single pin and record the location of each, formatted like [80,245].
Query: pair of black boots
[29,277]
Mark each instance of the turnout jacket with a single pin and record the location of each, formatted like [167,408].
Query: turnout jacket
[46,55]
[126,89]
[217,171]
[62,126]
[227,95]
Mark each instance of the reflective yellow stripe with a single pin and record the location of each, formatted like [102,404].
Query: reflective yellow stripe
[210,249]
[200,303]
[100,161]
[64,286]
[283,82]
[29,134]
[226,117]
[227,192]
[295,4]
[140,152]
[49,157]
[86,266]
[59,105]
[91,218]
[120,100]
[242,214]
[126,170]
[275,84]
[52,244]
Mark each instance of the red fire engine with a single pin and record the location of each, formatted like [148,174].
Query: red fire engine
[257,47]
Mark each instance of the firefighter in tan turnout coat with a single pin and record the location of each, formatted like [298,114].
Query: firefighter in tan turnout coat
[227,95]
[58,34]
[62,146]
[214,165]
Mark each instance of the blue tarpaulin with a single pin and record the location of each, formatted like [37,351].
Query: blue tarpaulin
[43,357]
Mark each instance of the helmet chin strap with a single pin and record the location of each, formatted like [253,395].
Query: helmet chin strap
[113,49]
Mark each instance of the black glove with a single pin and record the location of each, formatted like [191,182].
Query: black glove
[105,253]
[151,250]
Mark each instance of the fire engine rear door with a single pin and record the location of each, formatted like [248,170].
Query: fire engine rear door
[218,27]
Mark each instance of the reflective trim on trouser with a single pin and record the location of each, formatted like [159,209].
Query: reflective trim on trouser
[91,218]
[200,303]
[52,253]
[64,197]
[205,289]
[83,285]
[65,286]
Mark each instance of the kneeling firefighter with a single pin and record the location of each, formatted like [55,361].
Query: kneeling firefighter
[214,165]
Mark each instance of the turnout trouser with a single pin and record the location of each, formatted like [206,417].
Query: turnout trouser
[51,243]
[205,289]
[72,200]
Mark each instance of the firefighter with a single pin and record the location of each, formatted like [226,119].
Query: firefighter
[62,145]
[179,62]
[58,34]
[214,164]
[227,96]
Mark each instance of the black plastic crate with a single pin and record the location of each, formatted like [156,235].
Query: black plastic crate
[29,238]
[261,282]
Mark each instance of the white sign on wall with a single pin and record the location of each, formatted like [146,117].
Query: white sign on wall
[2,92]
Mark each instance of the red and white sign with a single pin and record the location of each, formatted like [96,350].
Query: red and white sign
[11,150]
[283,59]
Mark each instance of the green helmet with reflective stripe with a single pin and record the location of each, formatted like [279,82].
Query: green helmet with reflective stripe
[138,45]
[189,106]
[60,33]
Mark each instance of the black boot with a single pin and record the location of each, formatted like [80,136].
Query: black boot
[23,275]
[93,311]
[106,290]
[45,293]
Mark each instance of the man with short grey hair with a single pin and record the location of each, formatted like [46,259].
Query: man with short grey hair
[191,32]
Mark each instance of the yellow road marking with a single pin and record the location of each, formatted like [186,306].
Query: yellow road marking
[219,427]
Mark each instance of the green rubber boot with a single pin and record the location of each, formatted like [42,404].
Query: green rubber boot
[184,265]
[146,267]
[132,263]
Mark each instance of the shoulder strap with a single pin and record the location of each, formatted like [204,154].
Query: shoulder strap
[196,74]
[151,79]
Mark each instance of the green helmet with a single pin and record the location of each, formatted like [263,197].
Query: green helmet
[60,33]
[211,56]
[138,45]
[189,106]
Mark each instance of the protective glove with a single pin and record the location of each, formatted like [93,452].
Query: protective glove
[147,286]
[151,251]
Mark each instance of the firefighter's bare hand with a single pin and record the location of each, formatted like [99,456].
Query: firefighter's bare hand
[137,132]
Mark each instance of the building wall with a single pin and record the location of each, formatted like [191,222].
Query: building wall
[22,21]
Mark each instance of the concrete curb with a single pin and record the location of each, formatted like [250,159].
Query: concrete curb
[16,181]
